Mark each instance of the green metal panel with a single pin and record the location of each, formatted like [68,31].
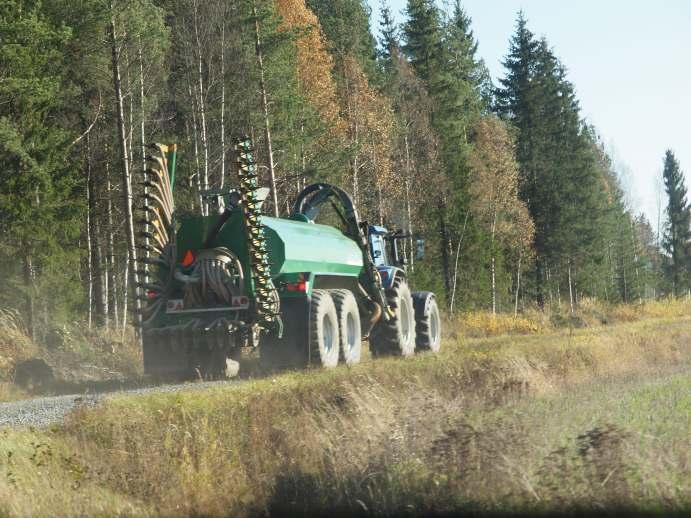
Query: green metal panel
[307,247]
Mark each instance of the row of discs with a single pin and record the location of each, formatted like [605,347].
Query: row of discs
[267,304]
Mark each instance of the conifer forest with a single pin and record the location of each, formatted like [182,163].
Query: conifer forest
[512,190]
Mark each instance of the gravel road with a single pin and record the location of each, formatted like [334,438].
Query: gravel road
[42,412]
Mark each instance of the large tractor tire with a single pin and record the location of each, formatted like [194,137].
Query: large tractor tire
[427,321]
[397,335]
[349,328]
[324,338]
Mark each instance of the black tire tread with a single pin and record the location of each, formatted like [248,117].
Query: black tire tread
[384,337]
[422,326]
[319,297]
[339,297]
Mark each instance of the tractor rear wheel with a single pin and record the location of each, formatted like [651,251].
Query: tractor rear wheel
[324,337]
[427,321]
[348,325]
[397,335]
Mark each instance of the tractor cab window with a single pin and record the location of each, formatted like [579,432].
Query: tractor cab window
[378,248]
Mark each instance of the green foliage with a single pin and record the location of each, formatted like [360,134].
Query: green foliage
[40,209]
[399,118]
[346,26]
[563,179]
[677,238]
[443,55]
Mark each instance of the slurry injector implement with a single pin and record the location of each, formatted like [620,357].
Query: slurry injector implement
[301,292]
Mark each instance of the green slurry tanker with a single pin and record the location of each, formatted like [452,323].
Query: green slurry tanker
[300,292]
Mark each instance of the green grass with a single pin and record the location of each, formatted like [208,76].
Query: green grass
[595,418]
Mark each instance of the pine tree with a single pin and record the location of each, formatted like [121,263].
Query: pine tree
[677,237]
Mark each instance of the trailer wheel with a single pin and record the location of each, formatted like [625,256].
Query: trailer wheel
[427,321]
[348,325]
[324,338]
[397,335]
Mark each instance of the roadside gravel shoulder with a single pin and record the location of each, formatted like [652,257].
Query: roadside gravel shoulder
[43,412]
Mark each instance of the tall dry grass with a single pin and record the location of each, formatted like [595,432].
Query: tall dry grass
[591,418]
[589,313]
[15,344]
[471,430]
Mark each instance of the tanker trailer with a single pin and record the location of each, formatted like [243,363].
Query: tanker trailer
[298,291]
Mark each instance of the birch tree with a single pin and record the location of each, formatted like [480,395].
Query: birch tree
[494,194]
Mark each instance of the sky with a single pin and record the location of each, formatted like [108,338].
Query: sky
[630,62]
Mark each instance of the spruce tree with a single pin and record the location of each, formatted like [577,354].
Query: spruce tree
[560,178]
[443,56]
[389,40]
[346,26]
[677,238]
[39,202]
[424,41]
[468,73]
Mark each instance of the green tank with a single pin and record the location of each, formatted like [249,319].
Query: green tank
[293,246]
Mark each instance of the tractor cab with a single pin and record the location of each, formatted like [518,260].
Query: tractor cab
[385,252]
[377,244]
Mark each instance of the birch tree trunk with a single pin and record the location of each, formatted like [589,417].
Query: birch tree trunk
[518,285]
[356,163]
[265,109]
[125,291]
[380,197]
[223,102]
[202,107]
[408,177]
[90,220]
[29,286]
[493,264]
[126,179]
[128,93]
[444,246]
[111,277]
[570,289]
[455,268]
[195,134]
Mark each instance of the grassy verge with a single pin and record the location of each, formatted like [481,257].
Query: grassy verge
[590,313]
[79,356]
[595,418]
